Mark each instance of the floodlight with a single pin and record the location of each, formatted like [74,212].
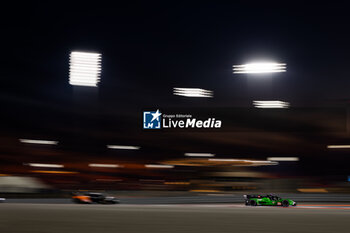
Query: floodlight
[283,159]
[84,69]
[259,68]
[199,154]
[270,104]
[119,147]
[34,141]
[193,92]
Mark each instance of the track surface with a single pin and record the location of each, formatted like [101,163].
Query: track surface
[213,218]
[198,199]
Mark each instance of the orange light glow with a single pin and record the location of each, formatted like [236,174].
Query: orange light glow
[55,172]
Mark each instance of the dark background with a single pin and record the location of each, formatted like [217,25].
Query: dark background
[151,47]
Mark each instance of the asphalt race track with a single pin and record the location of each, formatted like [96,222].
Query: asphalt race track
[40,218]
[131,198]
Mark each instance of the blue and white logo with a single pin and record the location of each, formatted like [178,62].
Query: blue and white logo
[151,120]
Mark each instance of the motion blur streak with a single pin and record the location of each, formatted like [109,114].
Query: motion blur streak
[260,162]
[193,92]
[104,165]
[55,172]
[85,69]
[313,190]
[199,154]
[118,147]
[45,165]
[158,166]
[338,146]
[239,160]
[228,160]
[270,104]
[283,158]
[256,68]
[44,142]
[177,183]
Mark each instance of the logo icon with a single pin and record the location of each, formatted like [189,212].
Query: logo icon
[151,120]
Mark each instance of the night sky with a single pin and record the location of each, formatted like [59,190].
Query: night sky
[151,47]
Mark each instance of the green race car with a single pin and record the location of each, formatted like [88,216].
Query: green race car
[268,200]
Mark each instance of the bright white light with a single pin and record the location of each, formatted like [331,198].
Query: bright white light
[158,166]
[270,104]
[104,165]
[258,68]
[45,165]
[199,154]
[85,69]
[193,92]
[338,146]
[123,147]
[283,158]
[44,142]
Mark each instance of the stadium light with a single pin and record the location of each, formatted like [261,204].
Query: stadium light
[42,142]
[270,104]
[192,92]
[119,147]
[84,69]
[199,154]
[283,159]
[259,68]
[338,146]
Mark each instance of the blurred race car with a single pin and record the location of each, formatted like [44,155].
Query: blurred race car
[268,200]
[2,200]
[89,198]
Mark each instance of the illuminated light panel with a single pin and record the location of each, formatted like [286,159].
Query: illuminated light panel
[84,69]
[259,68]
[43,142]
[158,166]
[192,92]
[119,147]
[54,172]
[45,165]
[283,158]
[199,154]
[270,104]
[338,146]
[104,165]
